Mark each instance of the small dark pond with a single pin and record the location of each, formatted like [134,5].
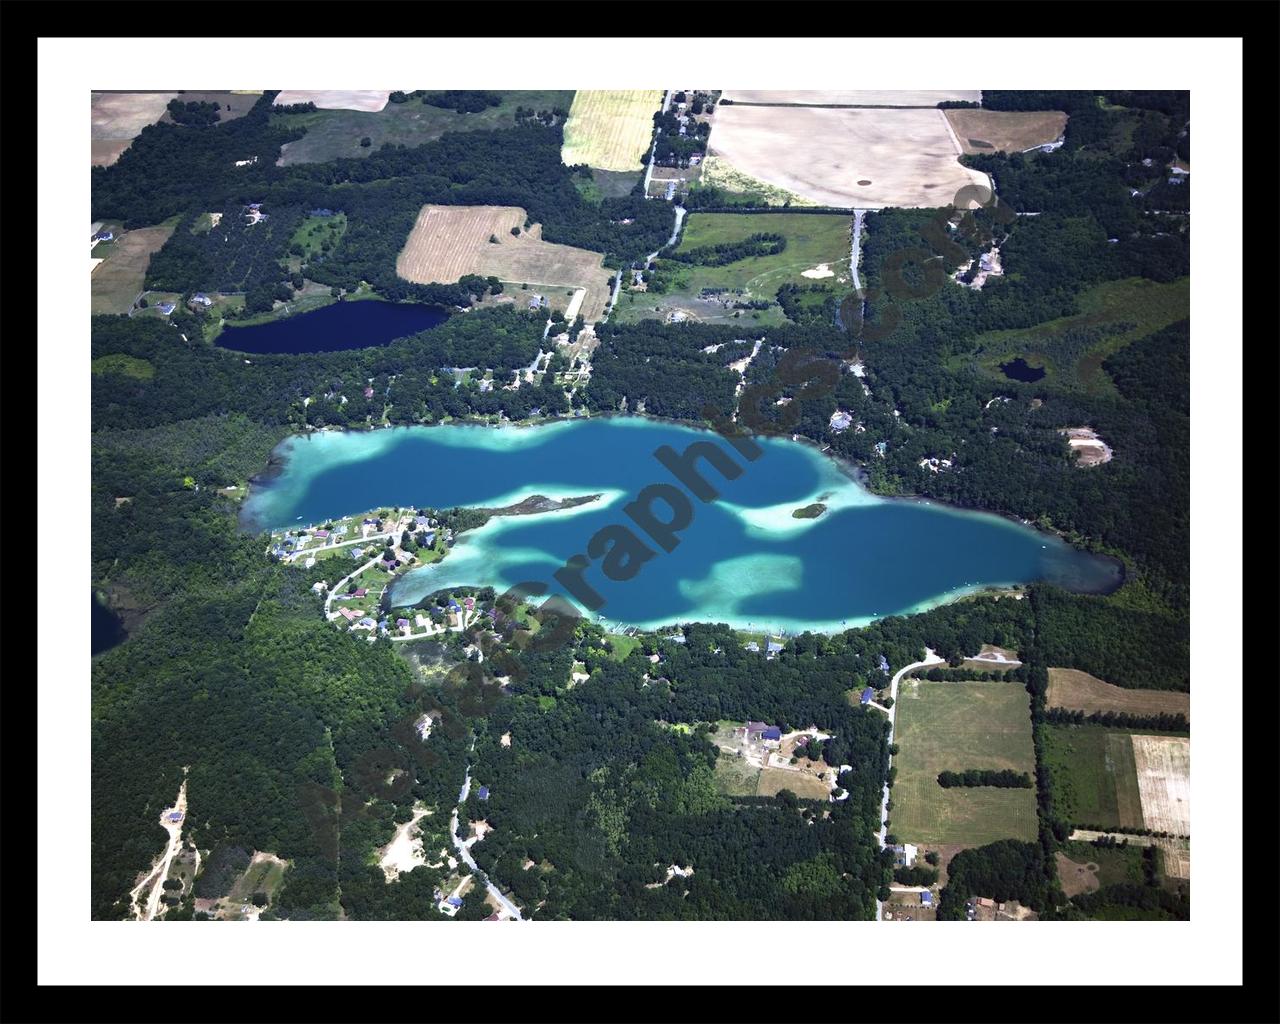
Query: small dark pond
[334,328]
[1019,370]
[105,628]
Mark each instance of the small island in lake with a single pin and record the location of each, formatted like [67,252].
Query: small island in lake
[809,511]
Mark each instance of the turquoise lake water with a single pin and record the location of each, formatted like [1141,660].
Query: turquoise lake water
[743,559]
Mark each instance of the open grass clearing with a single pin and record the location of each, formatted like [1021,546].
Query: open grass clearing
[1072,349]
[1078,691]
[117,282]
[1005,131]
[1094,777]
[1083,867]
[127,366]
[736,776]
[813,241]
[610,128]
[448,242]
[957,726]
[337,133]
[846,157]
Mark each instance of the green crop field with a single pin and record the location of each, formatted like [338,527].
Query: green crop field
[1094,778]
[957,726]
[1072,349]
[337,133]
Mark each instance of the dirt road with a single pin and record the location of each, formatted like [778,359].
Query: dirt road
[929,659]
[155,878]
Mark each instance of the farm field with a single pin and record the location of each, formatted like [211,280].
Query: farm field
[1072,349]
[1094,776]
[817,251]
[116,118]
[853,97]
[863,158]
[1078,691]
[448,242]
[1163,764]
[610,128]
[335,99]
[337,133]
[957,726]
[1005,131]
[116,282]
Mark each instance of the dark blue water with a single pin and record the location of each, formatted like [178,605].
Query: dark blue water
[743,559]
[105,628]
[1018,369]
[334,328]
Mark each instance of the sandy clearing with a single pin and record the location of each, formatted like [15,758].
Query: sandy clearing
[821,270]
[404,852]
[1092,449]
[1006,131]
[1164,782]
[160,870]
[1078,691]
[370,100]
[907,157]
[610,129]
[852,97]
[448,242]
[1077,878]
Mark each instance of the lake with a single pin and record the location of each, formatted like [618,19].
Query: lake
[333,328]
[744,559]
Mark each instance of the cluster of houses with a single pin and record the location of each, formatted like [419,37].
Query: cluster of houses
[757,732]
[772,648]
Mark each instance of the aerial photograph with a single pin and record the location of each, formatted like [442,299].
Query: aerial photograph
[682,503]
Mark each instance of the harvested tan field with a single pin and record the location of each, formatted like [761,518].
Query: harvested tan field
[116,118]
[448,242]
[610,128]
[807,787]
[907,158]
[1005,131]
[1078,691]
[336,99]
[854,97]
[117,281]
[1164,781]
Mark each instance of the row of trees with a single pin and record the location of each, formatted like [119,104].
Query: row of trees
[1005,778]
